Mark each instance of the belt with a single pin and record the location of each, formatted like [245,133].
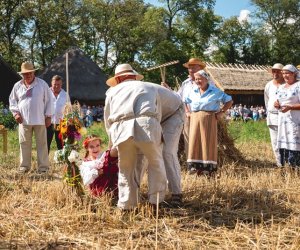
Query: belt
[150,115]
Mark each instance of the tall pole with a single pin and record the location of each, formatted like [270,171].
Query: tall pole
[67,73]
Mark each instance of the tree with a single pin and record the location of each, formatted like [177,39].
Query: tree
[50,28]
[281,19]
[11,31]
[232,41]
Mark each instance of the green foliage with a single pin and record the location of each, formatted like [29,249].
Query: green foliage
[7,119]
[249,131]
[281,22]
[99,130]
[119,31]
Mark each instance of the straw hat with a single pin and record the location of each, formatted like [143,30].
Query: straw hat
[27,67]
[195,61]
[276,66]
[123,70]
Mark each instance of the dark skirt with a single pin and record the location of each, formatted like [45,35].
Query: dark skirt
[290,157]
[108,181]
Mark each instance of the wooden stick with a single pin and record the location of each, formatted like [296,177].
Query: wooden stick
[156,229]
[67,73]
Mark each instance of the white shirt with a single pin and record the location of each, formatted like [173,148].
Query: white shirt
[133,109]
[59,105]
[33,103]
[185,88]
[170,102]
[270,95]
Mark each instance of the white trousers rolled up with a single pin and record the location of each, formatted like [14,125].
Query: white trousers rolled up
[274,134]
[128,183]
[25,140]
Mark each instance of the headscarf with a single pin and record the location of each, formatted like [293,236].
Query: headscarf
[204,74]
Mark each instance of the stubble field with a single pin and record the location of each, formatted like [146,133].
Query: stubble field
[250,205]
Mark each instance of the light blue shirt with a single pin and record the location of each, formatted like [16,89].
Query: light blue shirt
[210,100]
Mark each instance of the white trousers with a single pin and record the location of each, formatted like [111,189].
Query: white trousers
[127,182]
[25,140]
[273,134]
[171,129]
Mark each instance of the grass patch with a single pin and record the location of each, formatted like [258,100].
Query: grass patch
[249,131]
[249,206]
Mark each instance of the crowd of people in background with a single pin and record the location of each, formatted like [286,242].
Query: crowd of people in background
[91,114]
[243,113]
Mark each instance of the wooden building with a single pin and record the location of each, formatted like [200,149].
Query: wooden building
[245,83]
[8,78]
[87,82]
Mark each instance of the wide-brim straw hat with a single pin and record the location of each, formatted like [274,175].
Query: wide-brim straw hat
[276,66]
[195,61]
[27,67]
[123,70]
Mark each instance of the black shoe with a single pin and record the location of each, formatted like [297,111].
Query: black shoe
[176,200]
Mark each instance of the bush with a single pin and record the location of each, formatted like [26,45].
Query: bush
[6,117]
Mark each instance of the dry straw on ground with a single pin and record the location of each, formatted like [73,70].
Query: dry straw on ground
[250,205]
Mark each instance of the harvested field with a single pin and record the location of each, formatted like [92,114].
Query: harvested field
[249,205]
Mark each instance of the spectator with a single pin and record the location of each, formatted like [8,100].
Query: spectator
[60,99]
[32,106]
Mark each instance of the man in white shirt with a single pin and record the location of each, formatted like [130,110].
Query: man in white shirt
[31,103]
[60,98]
[270,92]
[132,116]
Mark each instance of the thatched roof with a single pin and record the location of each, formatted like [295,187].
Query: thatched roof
[86,79]
[8,78]
[239,76]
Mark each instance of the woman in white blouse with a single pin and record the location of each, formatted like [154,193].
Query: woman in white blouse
[288,104]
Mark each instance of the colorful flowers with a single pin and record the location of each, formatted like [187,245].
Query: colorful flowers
[70,132]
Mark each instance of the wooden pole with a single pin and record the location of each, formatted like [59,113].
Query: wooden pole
[67,73]
[3,132]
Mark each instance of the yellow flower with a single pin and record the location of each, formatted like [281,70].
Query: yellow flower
[83,131]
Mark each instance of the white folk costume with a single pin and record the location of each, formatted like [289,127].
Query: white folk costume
[33,104]
[173,116]
[288,140]
[270,95]
[132,118]
[272,116]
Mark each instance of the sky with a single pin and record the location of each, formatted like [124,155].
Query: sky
[226,8]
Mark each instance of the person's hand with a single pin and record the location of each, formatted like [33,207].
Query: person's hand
[277,104]
[188,114]
[219,115]
[286,108]
[100,171]
[164,84]
[47,122]
[18,118]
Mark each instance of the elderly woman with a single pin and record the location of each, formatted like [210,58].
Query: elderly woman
[203,108]
[288,103]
